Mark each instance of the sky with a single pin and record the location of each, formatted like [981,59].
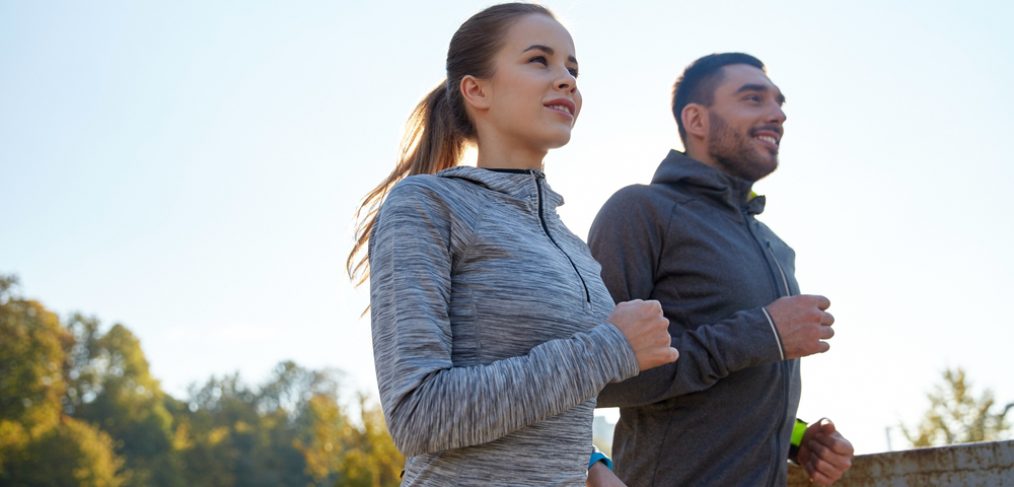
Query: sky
[191,169]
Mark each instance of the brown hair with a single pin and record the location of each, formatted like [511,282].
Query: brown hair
[439,127]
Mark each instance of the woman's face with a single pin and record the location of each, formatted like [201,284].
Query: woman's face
[534,100]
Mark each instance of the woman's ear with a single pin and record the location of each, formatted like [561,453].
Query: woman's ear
[476,92]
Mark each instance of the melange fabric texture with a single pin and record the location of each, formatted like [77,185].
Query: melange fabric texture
[723,413]
[489,330]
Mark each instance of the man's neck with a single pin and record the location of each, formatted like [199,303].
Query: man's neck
[702,157]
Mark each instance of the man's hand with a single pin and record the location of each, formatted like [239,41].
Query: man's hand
[802,324]
[600,476]
[824,453]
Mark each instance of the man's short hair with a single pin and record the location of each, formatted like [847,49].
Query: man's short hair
[700,79]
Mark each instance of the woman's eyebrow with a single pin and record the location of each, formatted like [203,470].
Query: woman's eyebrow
[547,50]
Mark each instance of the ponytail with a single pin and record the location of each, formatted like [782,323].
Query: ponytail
[434,140]
[439,127]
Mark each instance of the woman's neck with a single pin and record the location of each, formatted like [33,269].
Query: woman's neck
[503,156]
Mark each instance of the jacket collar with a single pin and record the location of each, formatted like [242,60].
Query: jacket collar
[709,182]
[519,184]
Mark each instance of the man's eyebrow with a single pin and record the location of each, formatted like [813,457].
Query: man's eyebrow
[779,97]
[547,50]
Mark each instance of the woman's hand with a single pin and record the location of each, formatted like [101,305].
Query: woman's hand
[647,331]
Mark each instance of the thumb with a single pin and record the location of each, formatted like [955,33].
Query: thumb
[827,426]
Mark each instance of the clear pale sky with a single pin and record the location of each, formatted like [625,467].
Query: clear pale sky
[190,169]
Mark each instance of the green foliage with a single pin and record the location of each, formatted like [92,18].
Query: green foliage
[370,458]
[72,453]
[38,445]
[955,415]
[239,436]
[31,365]
[112,388]
[79,406]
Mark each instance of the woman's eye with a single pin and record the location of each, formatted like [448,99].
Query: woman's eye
[573,72]
[539,59]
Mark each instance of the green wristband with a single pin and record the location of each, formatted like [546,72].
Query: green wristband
[797,432]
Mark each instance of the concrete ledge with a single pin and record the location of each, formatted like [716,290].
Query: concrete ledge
[970,464]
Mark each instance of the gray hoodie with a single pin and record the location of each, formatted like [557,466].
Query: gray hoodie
[489,331]
[723,413]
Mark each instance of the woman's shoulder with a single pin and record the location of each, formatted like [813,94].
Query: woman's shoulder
[419,188]
[434,187]
[433,193]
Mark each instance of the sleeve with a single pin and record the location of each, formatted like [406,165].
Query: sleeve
[627,238]
[597,456]
[432,405]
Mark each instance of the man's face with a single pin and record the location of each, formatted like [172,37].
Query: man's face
[745,123]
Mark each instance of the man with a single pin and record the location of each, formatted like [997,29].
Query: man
[724,413]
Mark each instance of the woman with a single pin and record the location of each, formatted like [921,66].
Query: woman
[492,330]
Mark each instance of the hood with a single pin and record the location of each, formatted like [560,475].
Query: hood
[521,184]
[709,182]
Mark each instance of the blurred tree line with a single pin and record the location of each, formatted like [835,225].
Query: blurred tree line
[955,415]
[78,406]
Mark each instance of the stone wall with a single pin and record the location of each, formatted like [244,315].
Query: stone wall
[971,464]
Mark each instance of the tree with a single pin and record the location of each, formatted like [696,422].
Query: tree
[371,459]
[241,436]
[38,444]
[31,365]
[72,453]
[326,433]
[112,388]
[955,415]
[79,406]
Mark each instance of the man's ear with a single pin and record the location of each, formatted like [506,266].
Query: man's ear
[695,120]
[476,92]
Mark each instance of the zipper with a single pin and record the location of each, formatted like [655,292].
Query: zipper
[785,281]
[783,366]
[765,252]
[545,228]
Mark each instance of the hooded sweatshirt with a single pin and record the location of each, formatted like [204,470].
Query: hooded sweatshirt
[489,330]
[723,413]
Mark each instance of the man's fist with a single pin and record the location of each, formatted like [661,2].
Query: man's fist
[803,324]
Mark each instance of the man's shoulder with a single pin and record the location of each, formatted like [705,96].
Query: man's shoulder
[644,196]
[636,206]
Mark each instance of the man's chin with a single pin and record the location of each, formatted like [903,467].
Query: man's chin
[762,169]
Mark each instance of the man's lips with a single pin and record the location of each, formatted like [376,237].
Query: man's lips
[770,137]
[562,105]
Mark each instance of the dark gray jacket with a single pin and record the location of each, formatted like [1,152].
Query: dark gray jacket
[489,331]
[723,413]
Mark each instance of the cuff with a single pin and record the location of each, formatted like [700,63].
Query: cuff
[774,330]
[624,360]
[597,457]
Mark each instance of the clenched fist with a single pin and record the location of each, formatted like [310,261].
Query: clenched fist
[647,331]
[803,324]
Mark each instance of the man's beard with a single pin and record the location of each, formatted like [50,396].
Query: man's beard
[735,153]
